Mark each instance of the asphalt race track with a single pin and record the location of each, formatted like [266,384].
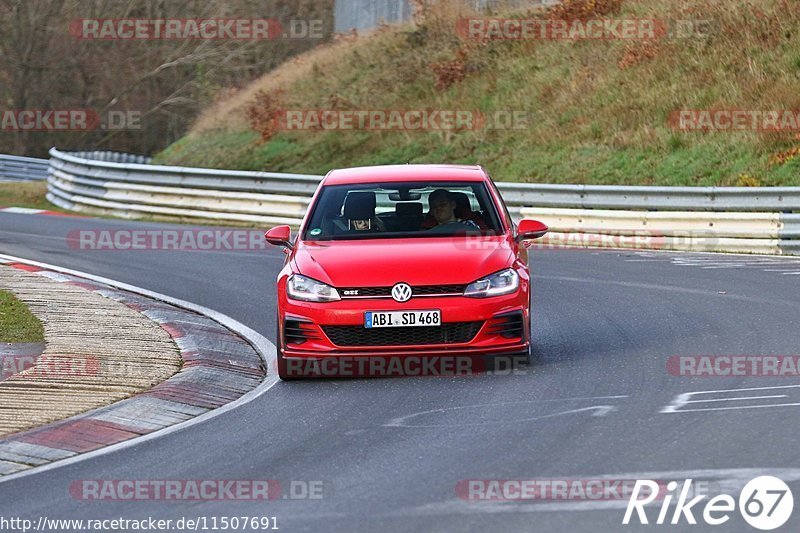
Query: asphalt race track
[390,452]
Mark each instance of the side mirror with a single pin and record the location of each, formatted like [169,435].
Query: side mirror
[279,236]
[531,229]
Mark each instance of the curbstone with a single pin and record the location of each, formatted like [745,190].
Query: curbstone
[218,367]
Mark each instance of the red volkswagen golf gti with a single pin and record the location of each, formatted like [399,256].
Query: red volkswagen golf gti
[398,263]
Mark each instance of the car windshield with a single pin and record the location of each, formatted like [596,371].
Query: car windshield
[413,209]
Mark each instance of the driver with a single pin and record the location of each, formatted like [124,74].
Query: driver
[365,224]
[443,209]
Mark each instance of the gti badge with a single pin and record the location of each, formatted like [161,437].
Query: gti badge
[401,292]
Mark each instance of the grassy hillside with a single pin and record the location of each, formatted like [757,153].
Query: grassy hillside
[598,110]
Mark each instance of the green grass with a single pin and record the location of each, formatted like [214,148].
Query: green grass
[29,194]
[597,110]
[17,323]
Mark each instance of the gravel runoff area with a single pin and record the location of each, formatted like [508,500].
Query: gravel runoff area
[98,351]
[116,365]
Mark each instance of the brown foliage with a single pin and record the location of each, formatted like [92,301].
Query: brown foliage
[263,113]
[450,72]
[784,157]
[584,9]
[638,52]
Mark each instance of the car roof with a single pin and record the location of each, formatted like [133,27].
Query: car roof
[400,173]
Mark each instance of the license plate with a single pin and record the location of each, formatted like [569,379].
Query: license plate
[402,319]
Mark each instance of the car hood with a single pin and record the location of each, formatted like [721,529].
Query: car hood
[384,262]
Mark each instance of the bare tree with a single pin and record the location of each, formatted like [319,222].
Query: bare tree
[167,82]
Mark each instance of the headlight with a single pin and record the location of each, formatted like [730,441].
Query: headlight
[503,282]
[310,290]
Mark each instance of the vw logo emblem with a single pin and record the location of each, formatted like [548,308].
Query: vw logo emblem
[401,292]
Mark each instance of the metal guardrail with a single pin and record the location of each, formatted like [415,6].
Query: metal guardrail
[17,168]
[114,157]
[133,189]
[720,199]
[751,220]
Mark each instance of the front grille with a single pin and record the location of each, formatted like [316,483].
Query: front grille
[438,289]
[450,333]
[386,292]
[375,292]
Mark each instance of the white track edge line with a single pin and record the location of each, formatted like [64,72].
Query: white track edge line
[263,346]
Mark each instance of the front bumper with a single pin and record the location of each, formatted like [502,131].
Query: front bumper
[493,326]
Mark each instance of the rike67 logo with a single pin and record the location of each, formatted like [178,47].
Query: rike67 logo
[765,503]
